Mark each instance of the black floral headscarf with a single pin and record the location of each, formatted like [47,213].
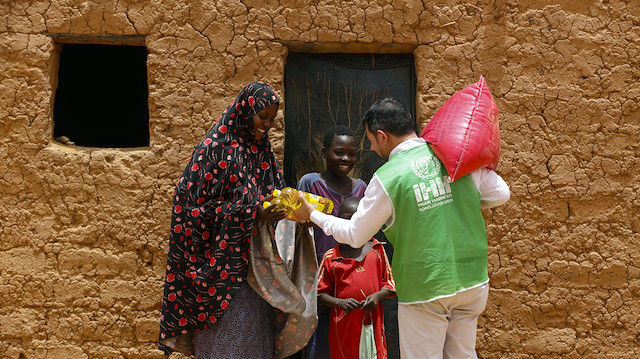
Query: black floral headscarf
[214,211]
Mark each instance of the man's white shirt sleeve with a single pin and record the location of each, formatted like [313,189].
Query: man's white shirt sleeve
[374,210]
[493,189]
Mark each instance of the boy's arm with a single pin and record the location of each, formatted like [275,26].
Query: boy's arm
[387,275]
[348,304]
[387,284]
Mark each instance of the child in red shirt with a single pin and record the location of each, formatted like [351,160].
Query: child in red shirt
[353,283]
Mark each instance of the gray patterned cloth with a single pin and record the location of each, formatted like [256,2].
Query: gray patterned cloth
[283,270]
[244,331]
[274,313]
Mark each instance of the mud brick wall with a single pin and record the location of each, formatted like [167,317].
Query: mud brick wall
[83,230]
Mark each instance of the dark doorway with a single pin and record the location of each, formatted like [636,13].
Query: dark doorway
[101,99]
[322,90]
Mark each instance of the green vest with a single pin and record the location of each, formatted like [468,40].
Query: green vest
[438,234]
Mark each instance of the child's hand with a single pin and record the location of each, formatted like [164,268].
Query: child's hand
[371,302]
[348,304]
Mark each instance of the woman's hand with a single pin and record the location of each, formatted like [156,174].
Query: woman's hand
[271,213]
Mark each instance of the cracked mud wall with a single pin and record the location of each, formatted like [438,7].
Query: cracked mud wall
[83,230]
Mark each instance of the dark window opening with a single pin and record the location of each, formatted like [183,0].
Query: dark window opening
[322,90]
[101,99]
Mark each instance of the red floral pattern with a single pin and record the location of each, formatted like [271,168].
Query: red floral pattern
[214,206]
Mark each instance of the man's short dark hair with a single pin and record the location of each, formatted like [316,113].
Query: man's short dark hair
[333,131]
[391,116]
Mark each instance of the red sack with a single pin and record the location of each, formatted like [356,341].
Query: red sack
[464,133]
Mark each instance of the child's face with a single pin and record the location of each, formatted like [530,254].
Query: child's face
[341,155]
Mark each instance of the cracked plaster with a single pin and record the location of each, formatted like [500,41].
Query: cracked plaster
[83,231]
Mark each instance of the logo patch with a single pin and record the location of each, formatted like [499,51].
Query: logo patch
[426,167]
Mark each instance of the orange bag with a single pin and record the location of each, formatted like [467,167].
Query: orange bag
[464,133]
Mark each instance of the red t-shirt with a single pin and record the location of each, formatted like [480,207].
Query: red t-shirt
[347,278]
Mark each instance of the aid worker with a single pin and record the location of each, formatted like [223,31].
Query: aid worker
[437,231]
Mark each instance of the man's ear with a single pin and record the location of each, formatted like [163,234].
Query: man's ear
[384,138]
[323,150]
